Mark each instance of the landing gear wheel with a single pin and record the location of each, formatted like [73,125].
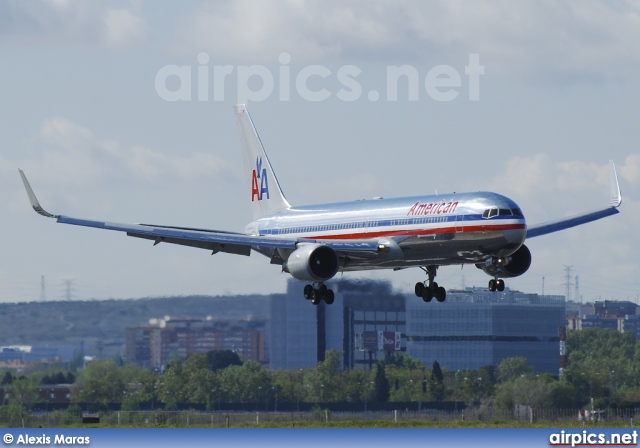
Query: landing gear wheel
[317,295]
[500,285]
[308,292]
[431,289]
[492,285]
[329,297]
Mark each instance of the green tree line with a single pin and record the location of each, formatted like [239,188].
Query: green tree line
[603,366]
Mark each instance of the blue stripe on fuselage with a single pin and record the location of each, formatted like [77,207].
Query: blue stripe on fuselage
[363,225]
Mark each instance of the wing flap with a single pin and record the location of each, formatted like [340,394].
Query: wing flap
[179,234]
[214,247]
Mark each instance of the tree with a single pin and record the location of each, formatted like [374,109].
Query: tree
[436,382]
[402,360]
[407,383]
[474,385]
[562,395]
[523,390]
[221,359]
[200,381]
[602,361]
[352,384]
[100,384]
[24,392]
[511,368]
[77,362]
[172,387]
[324,382]
[7,378]
[140,385]
[248,383]
[11,415]
[381,384]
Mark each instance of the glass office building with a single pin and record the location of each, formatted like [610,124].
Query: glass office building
[475,328]
[366,321]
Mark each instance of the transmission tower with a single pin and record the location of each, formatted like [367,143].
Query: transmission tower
[568,283]
[68,285]
[577,290]
[43,296]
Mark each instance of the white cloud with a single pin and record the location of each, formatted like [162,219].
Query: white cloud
[601,252]
[74,22]
[72,153]
[586,40]
[541,174]
[630,171]
[121,27]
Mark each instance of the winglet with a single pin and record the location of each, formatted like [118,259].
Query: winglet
[616,198]
[32,198]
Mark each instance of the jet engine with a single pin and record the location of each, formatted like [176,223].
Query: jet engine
[514,265]
[312,263]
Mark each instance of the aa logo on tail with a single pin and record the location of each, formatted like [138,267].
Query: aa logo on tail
[261,174]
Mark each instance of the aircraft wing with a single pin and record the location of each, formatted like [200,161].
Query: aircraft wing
[213,240]
[615,200]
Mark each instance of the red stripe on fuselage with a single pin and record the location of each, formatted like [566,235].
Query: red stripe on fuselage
[418,232]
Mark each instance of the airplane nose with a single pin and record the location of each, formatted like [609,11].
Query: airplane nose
[515,236]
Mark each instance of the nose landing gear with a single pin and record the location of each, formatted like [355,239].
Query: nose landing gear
[496,284]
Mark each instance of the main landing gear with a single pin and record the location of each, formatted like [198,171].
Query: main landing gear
[316,295]
[430,290]
[496,284]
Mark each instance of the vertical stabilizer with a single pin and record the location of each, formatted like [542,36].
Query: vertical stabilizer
[264,190]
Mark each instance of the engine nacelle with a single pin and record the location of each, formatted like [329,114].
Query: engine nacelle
[312,263]
[514,265]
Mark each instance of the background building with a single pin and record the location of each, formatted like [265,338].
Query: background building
[17,356]
[476,328]
[472,329]
[363,316]
[608,314]
[165,339]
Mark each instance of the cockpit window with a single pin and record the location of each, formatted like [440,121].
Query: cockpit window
[491,212]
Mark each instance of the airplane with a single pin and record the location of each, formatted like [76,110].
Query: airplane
[313,243]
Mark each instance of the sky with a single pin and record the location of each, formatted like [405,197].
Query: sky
[123,111]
